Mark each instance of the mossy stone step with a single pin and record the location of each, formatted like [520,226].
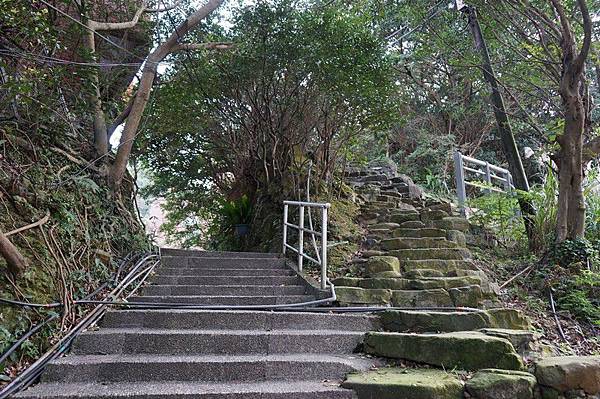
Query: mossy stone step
[420,321]
[362,296]
[404,217]
[462,350]
[412,224]
[443,265]
[416,243]
[423,321]
[383,226]
[418,233]
[401,383]
[451,223]
[420,273]
[427,283]
[498,384]
[422,298]
[431,253]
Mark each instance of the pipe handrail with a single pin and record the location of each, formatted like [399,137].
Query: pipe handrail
[491,173]
[322,259]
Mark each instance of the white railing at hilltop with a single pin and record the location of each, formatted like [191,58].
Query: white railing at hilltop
[322,256]
[497,179]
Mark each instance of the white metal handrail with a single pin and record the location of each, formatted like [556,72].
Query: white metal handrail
[322,261]
[491,175]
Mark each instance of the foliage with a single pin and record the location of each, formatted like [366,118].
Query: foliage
[499,211]
[302,83]
[236,212]
[569,252]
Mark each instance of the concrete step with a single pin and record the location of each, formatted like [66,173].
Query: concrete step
[215,254]
[214,342]
[225,280]
[156,368]
[219,262]
[238,320]
[231,300]
[433,253]
[189,390]
[195,271]
[244,290]
[465,350]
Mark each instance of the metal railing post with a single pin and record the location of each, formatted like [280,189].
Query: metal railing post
[324,248]
[461,191]
[301,238]
[488,177]
[285,222]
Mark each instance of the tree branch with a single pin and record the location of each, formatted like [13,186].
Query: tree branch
[96,25]
[15,261]
[202,46]
[587,38]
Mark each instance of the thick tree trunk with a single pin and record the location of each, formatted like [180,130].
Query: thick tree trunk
[15,261]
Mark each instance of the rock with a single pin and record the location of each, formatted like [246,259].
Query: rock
[501,384]
[389,274]
[426,321]
[451,223]
[431,253]
[384,283]
[443,265]
[421,298]
[372,252]
[418,233]
[462,350]
[568,373]
[378,264]
[384,226]
[361,296]
[412,224]
[420,273]
[443,282]
[443,206]
[427,215]
[470,296]
[345,282]
[415,243]
[400,218]
[521,340]
[399,383]
[508,318]
[458,237]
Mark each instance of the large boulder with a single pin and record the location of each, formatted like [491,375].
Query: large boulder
[399,383]
[462,350]
[501,384]
[451,223]
[570,373]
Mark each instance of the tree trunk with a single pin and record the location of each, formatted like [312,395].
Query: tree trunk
[15,261]
[510,149]
[146,82]
[571,211]
[100,132]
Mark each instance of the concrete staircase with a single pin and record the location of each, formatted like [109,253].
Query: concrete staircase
[218,353]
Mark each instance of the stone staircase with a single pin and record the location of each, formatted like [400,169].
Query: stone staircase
[185,353]
[446,316]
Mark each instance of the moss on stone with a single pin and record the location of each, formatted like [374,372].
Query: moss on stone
[397,383]
[501,384]
[463,350]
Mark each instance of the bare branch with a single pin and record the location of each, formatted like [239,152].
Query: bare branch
[587,39]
